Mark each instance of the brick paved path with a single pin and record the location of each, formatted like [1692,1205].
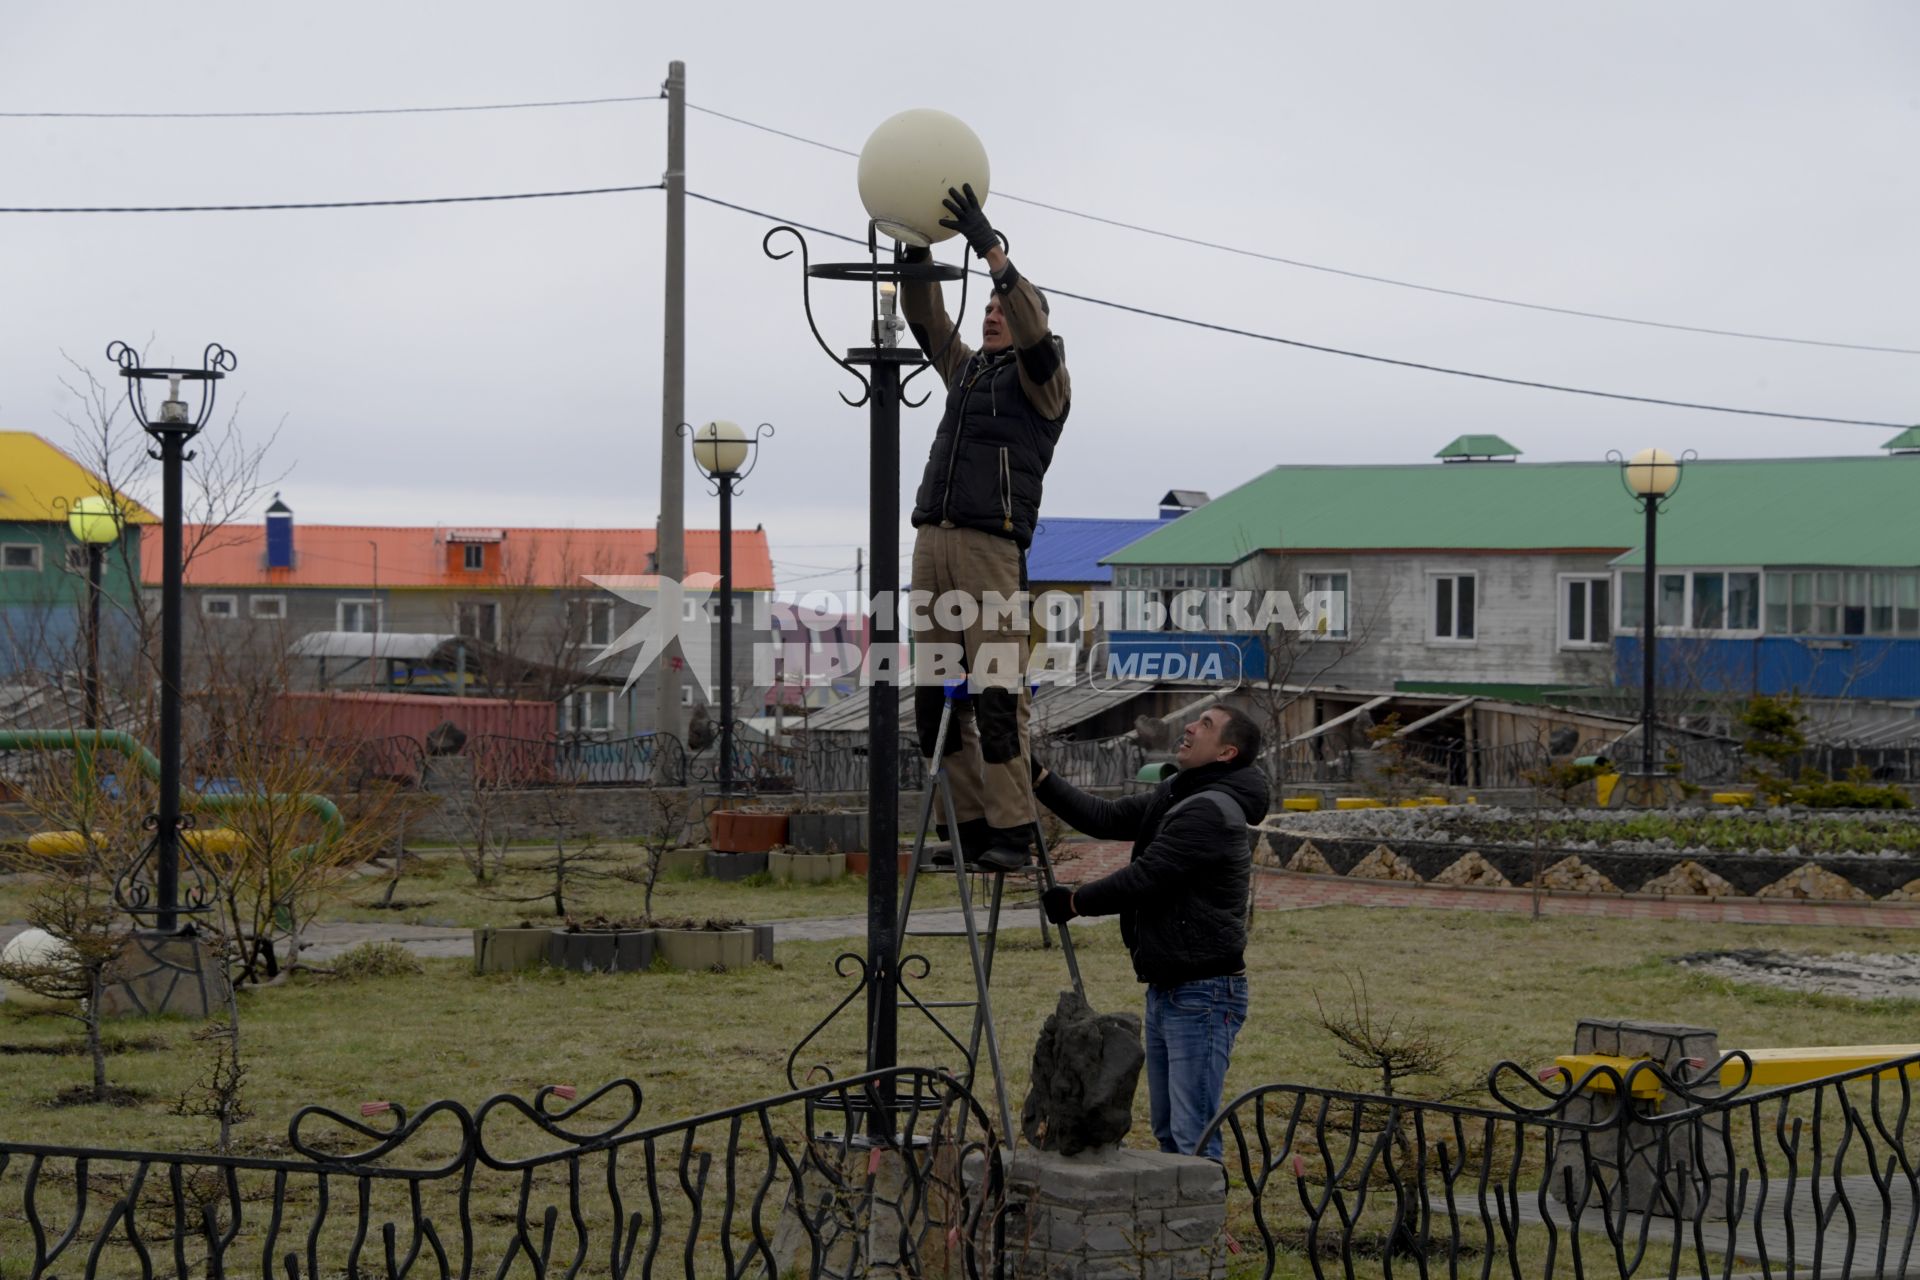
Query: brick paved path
[1288,890]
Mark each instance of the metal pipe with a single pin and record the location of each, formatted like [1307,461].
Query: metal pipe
[96,556]
[1649,644]
[173,445]
[883,712]
[726,636]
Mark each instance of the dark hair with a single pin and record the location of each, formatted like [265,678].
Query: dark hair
[1240,733]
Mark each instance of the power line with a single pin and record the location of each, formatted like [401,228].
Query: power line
[1056,292]
[1350,274]
[339,204]
[355,111]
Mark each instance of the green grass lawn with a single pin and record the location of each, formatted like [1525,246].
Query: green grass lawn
[1492,986]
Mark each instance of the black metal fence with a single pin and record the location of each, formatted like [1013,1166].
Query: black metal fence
[1579,1177]
[547,1186]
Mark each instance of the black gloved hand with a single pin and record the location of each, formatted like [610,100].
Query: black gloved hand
[915,253]
[968,220]
[1057,902]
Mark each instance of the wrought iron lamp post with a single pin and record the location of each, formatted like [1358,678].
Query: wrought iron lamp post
[1651,476]
[725,455]
[95,524]
[176,425]
[905,170]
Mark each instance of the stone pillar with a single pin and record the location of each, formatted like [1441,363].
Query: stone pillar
[171,973]
[1112,1213]
[1656,1168]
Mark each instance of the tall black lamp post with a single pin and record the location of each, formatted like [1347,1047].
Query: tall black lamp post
[905,170]
[1651,476]
[725,455]
[95,524]
[151,886]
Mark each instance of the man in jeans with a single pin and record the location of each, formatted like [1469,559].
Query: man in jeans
[1182,902]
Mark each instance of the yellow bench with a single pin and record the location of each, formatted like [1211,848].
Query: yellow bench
[1300,804]
[1733,797]
[1771,1067]
[1357,802]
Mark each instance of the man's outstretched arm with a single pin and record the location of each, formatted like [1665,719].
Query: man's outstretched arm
[925,309]
[1042,361]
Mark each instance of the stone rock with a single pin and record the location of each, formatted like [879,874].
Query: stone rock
[1263,852]
[1383,864]
[1310,860]
[1690,880]
[1811,881]
[1908,892]
[1473,870]
[1086,1068]
[178,974]
[1574,876]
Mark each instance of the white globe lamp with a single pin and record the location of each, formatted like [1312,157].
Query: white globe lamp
[720,448]
[1652,473]
[908,165]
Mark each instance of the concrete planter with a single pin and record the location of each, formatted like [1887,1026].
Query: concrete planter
[762,942]
[736,831]
[826,832]
[504,950]
[700,950]
[805,868]
[605,951]
[735,866]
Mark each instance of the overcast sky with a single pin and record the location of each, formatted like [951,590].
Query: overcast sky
[1741,165]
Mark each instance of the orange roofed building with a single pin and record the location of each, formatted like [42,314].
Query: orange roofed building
[460,611]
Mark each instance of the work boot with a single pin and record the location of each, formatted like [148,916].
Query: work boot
[974,839]
[1008,848]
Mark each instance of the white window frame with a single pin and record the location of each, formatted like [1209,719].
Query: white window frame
[279,604]
[599,608]
[1070,633]
[577,700]
[340,614]
[1565,610]
[208,611]
[37,557]
[686,694]
[473,557]
[459,629]
[1329,636]
[1726,600]
[1687,574]
[1454,641]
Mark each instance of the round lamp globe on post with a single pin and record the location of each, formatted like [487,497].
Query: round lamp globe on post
[720,448]
[1652,473]
[907,166]
[94,521]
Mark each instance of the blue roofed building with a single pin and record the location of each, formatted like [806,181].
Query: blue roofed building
[1066,559]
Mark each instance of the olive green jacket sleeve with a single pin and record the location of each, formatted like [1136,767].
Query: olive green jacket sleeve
[1041,356]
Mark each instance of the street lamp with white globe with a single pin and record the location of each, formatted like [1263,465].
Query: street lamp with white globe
[725,455]
[95,523]
[1652,476]
[907,169]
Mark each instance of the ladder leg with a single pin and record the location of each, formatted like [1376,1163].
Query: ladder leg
[936,784]
[1047,882]
[983,1011]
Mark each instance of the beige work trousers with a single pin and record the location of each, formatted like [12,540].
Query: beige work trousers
[954,563]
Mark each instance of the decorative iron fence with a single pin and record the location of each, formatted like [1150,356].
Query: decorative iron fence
[1582,1177]
[577,760]
[1313,762]
[1102,762]
[553,1186]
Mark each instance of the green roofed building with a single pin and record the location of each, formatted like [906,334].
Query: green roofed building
[1479,571]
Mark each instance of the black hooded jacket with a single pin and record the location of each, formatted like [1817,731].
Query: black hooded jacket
[1182,898]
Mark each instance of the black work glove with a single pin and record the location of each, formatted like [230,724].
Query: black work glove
[1057,902]
[968,220]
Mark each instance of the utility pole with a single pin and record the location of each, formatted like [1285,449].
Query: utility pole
[671,550]
[859,597]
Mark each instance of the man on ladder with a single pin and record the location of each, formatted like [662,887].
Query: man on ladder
[1182,903]
[974,513]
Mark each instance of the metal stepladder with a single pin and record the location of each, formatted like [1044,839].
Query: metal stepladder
[980,948]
